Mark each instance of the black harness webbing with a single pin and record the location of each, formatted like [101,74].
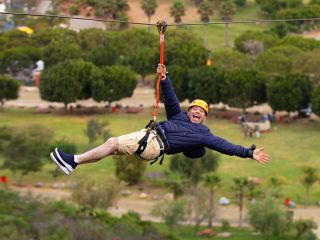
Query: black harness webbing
[153,126]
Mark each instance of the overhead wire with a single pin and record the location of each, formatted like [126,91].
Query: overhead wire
[253,21]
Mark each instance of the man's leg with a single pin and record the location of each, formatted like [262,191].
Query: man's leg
[68,162]
[108,148]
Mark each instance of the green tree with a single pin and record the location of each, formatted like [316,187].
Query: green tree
[182,52]
[9,89]
[269,219]
[275,184]
[94,130]
[17,59]
[5,136]
[289,92]
[143,61]
[272,6]
[308,63]
[175,183]
[278,60]
[68,81]
[305,44]
[111,8]
[46,36]
[310,177]
[254,42]
[60,51]
[240,184]
[316,101]
[301,12]
[149,7]
[192,169]
[205,82]
[116,83]
[25,151]
[240,3]
[227,11]
[172,212]
[280,29]
[129,169]
[206,11]
[14,38]
[91,194]
[92,38]
[304,227]
[212,181]
[252,85]
[180,80]
[230,59]
[177,10]
[102,56]
[129,42]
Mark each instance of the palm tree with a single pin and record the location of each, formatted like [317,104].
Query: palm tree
[227,10]
[112,8]
[239,185]
[310,177]
[177,10]
[213,182]
[175,184]
[275,184]
[205,10]
[149,7]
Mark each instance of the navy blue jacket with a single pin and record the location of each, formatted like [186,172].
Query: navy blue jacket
[191,138]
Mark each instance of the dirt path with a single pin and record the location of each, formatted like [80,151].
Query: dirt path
[144,206]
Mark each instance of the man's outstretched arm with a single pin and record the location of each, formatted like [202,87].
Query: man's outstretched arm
[223,146]
[171,102]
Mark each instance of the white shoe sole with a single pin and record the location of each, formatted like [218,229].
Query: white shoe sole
[65,170]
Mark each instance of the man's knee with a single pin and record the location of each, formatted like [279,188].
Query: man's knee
[113,143]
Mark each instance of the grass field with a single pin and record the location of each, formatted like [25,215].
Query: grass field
[290,146]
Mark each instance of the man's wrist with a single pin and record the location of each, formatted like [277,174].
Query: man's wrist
[251,151]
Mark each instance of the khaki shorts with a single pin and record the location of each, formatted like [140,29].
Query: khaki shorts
[128,145]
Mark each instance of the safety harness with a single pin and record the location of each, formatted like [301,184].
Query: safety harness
[153,126]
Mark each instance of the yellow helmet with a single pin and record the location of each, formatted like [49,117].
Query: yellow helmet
[200,103]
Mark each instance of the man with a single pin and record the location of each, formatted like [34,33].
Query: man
[182,132]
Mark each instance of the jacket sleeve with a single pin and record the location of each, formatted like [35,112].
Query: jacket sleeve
[195,153]
[171,102]
[223,146]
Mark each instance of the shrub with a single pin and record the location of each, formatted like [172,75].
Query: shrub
[73,10]
[129,169]
[266,217]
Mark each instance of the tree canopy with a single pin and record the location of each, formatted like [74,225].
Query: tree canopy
[68,81]
[9,89]
[289,92]
[116,82]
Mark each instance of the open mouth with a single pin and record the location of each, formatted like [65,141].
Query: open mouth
[196,117]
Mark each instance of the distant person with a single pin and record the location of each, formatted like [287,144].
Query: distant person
[182,132]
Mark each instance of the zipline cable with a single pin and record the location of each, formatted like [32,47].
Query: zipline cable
[253,21]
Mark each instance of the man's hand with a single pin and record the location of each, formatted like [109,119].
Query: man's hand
[161,69]
[260,156]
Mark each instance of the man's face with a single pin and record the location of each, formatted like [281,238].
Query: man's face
[196,114]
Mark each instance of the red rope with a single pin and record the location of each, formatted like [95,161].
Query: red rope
[159,76]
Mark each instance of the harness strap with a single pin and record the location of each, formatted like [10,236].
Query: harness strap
[152,126]
[143,143]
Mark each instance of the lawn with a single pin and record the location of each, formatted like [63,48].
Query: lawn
[290,146]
